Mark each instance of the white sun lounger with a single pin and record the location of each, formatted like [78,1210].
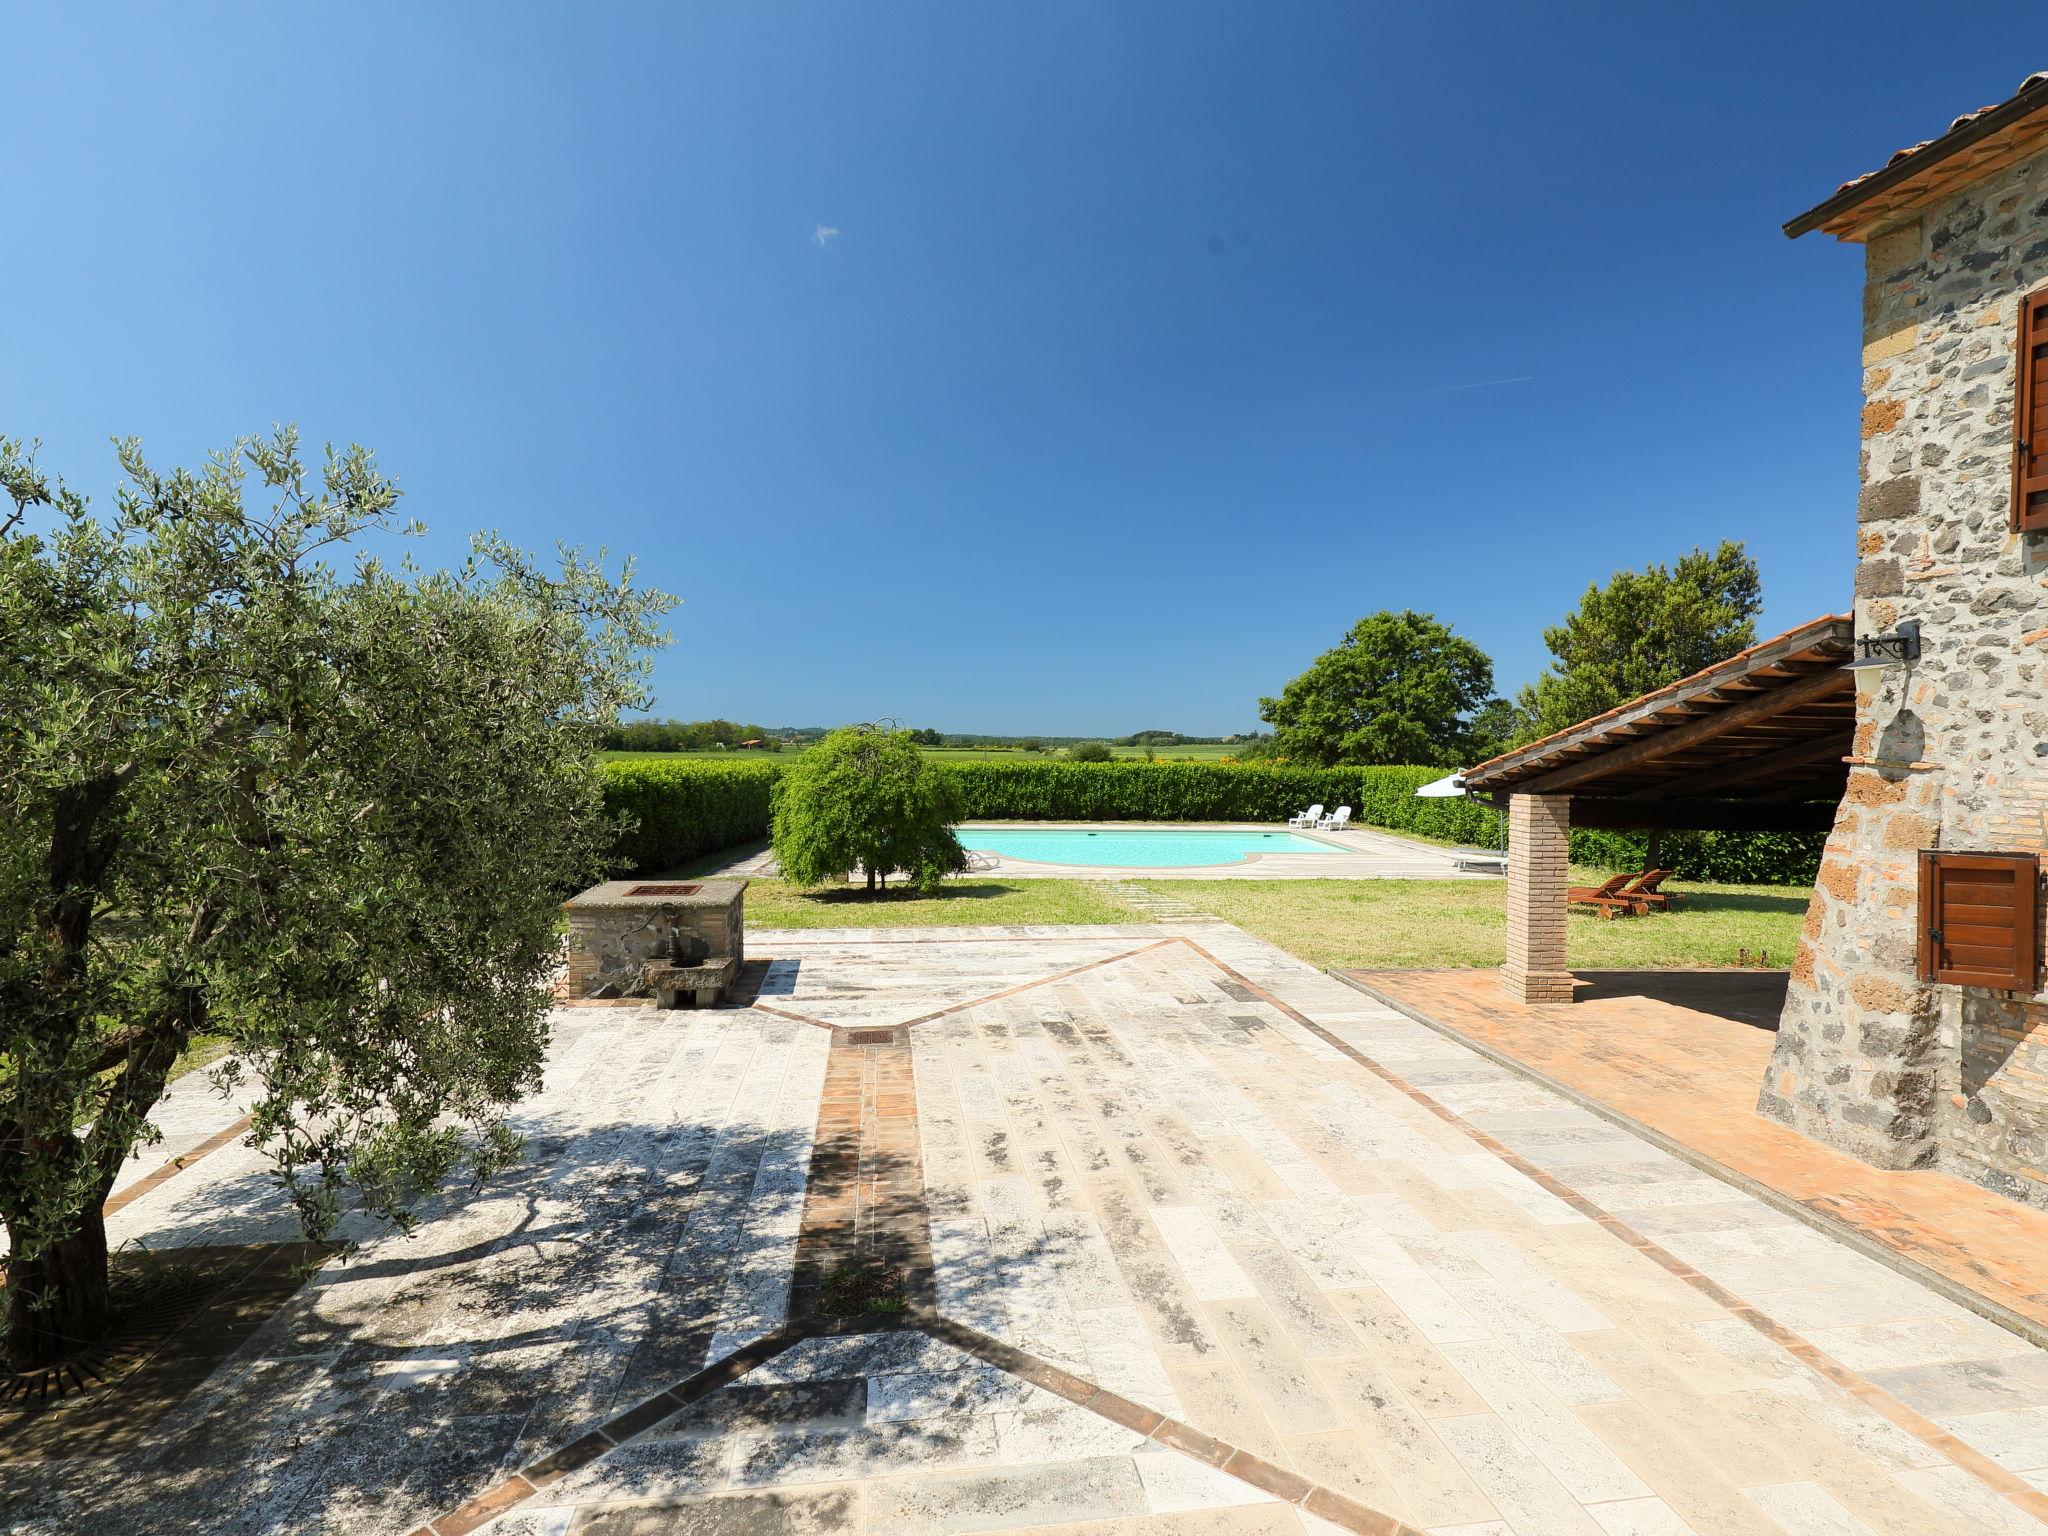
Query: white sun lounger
[1336,823]
[1307,818]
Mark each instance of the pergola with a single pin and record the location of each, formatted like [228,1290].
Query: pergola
[1759,742]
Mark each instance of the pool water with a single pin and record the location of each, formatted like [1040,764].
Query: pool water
[1137,848]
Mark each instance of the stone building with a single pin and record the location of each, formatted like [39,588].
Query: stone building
[1915,1030]
[1891,1045]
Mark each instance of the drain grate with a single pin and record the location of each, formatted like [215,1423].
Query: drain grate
[149,1318]
[871,1037]
[664,890]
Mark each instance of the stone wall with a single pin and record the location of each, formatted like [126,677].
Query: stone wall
[1950,753]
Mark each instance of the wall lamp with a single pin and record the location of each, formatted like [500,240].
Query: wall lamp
[1902,644]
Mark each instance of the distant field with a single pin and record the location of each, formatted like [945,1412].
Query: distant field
[1206,753]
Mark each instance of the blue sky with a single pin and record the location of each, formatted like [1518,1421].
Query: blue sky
[1028,367]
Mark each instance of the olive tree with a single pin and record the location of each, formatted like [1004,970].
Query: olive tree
[866,798]
[325,815]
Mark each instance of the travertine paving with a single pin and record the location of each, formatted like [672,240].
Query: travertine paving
[1215,1243]
[1681,1063]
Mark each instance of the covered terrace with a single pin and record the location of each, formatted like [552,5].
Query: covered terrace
[1759,742]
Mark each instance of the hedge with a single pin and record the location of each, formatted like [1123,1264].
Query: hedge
[680,810]
[692,806]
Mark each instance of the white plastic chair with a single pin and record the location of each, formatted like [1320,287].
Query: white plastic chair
[1336,823]
[1307,818]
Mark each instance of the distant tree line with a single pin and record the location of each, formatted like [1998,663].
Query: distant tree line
[712,735]
[690,736]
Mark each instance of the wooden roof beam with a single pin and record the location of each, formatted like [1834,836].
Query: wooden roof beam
[1701,815]
[1760,707]
[1744,770]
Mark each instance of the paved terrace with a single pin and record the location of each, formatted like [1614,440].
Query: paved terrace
[1681,1054]
[1367,854]
[1193,1239]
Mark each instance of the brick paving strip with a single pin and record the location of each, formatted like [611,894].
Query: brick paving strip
[867,1197]
[864,1206]
[129,1193]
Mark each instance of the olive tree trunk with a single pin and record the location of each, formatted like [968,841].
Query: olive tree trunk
[60,1300]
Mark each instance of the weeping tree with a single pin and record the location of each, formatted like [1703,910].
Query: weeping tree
[865,798]
[324,815]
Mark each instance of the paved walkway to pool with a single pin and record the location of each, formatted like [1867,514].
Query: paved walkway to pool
[1188,1237]
[1366,853]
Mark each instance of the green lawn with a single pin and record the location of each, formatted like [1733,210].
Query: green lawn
[1456,923]
[778,904]
[1435,924]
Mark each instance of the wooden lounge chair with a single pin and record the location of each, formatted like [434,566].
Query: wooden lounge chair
[1606,897]
[1644,893]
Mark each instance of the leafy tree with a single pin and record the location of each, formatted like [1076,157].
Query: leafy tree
[1031,744]
[1642,630]
[865,798]
[1495,726]
[328,817]
[1396,690]
[927,737]
[1090,752]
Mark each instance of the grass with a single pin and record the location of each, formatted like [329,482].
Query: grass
[202,1052]
[1450,924]
[960,903]
[1355,924]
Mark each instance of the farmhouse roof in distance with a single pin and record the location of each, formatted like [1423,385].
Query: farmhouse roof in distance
[1975,144]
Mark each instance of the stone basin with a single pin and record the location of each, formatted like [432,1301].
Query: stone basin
[672,941]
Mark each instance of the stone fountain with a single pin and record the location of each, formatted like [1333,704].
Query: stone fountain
[677,942]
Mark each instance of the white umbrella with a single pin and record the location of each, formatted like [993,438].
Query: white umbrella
[1445,788]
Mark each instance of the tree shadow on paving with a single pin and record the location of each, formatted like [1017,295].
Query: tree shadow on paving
[391,1388]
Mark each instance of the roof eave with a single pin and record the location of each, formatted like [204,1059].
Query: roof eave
[1832,629]
[1955,141]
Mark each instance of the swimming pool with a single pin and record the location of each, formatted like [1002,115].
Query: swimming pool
[1138,847]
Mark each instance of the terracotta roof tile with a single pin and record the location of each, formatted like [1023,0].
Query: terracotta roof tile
[1964,121]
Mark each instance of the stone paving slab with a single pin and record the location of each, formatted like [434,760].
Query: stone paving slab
[1216,1244]
[1515,1360]
[1668,1052]
[666,1157]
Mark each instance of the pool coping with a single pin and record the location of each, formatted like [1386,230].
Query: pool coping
[1095,827]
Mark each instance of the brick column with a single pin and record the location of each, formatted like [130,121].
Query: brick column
[1539,827]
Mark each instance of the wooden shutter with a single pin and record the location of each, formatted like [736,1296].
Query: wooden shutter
[2030,416]
[1977,919]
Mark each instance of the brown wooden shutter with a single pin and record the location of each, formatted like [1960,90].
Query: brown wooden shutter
[2030,416]
[1977,919]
